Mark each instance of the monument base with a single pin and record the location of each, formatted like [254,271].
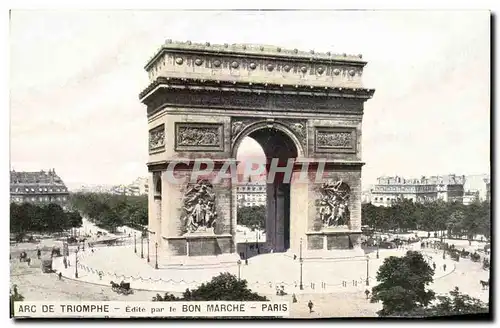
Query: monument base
[202,243]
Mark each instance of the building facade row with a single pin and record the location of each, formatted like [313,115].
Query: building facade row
[388,190]
[43,187]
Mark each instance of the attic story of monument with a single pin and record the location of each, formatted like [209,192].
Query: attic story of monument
[204,99]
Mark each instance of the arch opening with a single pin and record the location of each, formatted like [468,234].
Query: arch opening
[260,147]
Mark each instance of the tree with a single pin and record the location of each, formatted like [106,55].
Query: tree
[457,304]
[403,282]
[224,287]
[252,216]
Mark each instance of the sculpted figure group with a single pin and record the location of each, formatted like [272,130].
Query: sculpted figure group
[199,207]
[333,208]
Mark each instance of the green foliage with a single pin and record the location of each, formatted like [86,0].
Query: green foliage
[224,287]
[457,304]
[109,211]
[253,217]
[403,282]
[458,219]
[28,217]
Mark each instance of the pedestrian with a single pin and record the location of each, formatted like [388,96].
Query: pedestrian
[294,256]
[38,253]
[60,276]
[28,260]
[294,298]
[100,275]
[434,266]
[367,293]
[310,305]
[444,267]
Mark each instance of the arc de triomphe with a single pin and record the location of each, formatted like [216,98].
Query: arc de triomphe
[203,100]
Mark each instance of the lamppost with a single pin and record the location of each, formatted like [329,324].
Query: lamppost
[76,263]
[444,248]
[301,286]
[367,270]
[147,237]
[142,245]
[257,240]
[239,269]
[378,245]
[135,242]
[156,255]
[246,251]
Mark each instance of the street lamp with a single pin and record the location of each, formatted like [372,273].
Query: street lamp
[367,269]
[156,255]
[147,237]
[76,263]
[239,269]
[301,286]
[142,245]
[257,240]
[378,245]
[246,251]
[135,243]
[444,248]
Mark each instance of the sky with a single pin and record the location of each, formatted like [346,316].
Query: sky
[75,77]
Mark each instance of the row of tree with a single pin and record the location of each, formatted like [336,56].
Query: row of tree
[253,217]
[109,211]
[26,217]
[456,218]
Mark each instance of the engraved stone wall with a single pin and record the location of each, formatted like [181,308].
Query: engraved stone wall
[335,139]
[199,137]
[157,139]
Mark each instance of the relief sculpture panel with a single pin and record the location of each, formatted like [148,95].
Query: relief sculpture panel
[199,137]
[340,140]
[238,124]
[157,139]
[198,210]
[333,205]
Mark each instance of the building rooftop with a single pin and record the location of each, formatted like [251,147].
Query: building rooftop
[251,50]
[40,177]
[450,179]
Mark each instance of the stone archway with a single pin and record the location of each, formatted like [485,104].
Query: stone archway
[204,99]
[279,143]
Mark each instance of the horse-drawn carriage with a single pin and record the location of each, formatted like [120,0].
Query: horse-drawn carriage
[56,251]
[23,257]
[121,288]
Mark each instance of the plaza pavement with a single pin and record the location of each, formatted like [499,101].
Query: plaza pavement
[347,302]
[263,273]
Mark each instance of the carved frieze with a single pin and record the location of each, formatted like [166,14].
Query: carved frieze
[199,137]
[333,204]
[157,139]
[198,208]
[299,129]
[252,101]
[340,140]
[238,124]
